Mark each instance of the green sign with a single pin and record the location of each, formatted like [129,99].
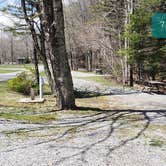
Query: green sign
[159,25]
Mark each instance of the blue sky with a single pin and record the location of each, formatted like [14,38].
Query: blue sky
[3,3]
[6,2]
[6,19]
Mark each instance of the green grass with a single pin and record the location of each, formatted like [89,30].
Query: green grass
[46,113]
[43,73]
[3,71]
[40,112]
[156,143]
[8,98]
[103,80]
[30,113]
[3,87]
[16,66]
[46,89]
[29,118]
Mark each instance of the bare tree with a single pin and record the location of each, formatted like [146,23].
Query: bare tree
[54,29]
[38,35]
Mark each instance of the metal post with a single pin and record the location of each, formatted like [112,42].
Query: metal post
[41,81]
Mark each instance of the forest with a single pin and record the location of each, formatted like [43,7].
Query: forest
[105,36]
[115,36]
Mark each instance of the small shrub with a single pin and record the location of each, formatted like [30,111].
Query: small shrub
[22,83]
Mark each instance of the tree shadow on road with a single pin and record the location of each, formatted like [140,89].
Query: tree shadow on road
[114,120]
[115,117]
[104,92]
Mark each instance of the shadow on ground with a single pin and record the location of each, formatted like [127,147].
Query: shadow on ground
[103,92]
[112,119]
[118,117]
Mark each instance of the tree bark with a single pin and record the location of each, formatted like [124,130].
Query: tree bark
[131,76]
[36,65]
[54,27]
[12,51]
[39,44]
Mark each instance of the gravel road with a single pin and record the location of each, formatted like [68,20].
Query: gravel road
[131,133]
[100,139]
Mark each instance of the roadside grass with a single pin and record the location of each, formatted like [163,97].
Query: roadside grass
[24,133]
[43,112]
[43,73]
[103,80]
[83,71]
[4,71]
[30,118]
[130,124]
[32,113]
[46,113]
[94,102]
[16,66]
[7,97]
[156,142]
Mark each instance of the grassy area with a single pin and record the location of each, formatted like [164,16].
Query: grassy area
[29,118]
[8,98]
[157,142]
[43,112]
[32,113]
[43,73]
[4,71]
[16,66]
[103,80]
[131,124]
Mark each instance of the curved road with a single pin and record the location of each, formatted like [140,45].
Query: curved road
[8,76]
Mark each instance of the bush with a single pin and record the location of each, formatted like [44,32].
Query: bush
[22,83]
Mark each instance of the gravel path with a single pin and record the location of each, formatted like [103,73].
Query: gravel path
[100,139]
[132,132]
[140,101]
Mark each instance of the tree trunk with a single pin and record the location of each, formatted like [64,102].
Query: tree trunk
[39,44]
[131,76]
[36,65]
[54,26]
[12,51]
[90,61]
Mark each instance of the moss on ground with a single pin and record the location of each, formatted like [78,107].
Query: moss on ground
[43,112]
[8,66]
[4,71]
[157,142]
[44,118]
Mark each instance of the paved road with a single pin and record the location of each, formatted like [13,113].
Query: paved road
[8,76]
[12,74]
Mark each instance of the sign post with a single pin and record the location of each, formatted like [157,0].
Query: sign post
[41,82]
[159,25]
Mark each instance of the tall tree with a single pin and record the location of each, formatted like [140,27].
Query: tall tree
[12,51]
[31,11]
[54,28]
[145,53]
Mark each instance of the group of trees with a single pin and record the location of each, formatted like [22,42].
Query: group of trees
[111,35]
[12,48]
[146,54]
[116,36]
[44,20]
